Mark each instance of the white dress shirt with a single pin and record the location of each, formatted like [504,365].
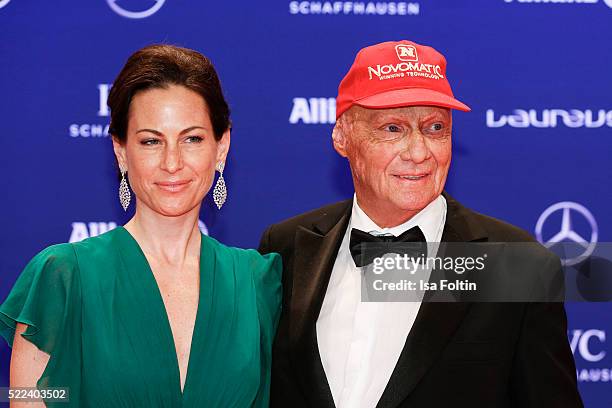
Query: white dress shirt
[360,342]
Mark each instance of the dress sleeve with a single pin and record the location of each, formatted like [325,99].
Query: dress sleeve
[267,273]
[47,297]
[43,297]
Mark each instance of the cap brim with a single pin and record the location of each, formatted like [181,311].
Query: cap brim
[411,97]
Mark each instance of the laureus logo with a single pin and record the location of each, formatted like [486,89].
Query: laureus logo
[135,14]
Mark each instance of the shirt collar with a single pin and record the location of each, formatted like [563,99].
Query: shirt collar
[430,220]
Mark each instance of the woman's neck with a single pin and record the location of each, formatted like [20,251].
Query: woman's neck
[169,240]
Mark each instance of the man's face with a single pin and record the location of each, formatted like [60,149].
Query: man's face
[399,157]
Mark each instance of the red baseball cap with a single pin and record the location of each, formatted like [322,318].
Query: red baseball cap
[395,74]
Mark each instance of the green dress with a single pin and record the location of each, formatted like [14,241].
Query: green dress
[95,308]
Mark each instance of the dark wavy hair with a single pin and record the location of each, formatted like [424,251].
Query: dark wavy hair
[158,66]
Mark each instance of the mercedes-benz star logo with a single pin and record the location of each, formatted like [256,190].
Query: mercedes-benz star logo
[135,14]
[567,233]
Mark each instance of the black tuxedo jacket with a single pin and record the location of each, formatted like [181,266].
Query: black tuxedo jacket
[473,355]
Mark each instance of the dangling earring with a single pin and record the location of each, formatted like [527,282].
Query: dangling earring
[124,191]
[220,191]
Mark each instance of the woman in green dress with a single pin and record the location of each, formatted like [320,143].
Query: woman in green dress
[154,313]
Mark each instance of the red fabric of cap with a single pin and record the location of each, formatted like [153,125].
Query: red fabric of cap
[396,74]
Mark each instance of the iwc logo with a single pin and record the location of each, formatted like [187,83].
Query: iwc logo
[135,14]
[582,342]
[566,231]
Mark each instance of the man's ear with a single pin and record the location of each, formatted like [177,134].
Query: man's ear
[120,153]
[339,140]
[223,147]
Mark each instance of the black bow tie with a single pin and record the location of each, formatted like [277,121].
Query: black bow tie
[365,247]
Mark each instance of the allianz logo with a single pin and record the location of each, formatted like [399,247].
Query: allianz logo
[555,2]
[550,118]
[82,230]
[552,1]
[313,111]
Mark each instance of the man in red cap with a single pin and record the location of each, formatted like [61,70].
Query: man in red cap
[394,126]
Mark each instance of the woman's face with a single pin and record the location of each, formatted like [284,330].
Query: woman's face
[171,152]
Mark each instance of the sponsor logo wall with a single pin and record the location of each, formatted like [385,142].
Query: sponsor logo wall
[551,118]
[99,128]
[357,8]
[134,13]
[82,230]
[590,349]
[534,151]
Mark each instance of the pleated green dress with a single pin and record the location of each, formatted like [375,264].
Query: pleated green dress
[95,308]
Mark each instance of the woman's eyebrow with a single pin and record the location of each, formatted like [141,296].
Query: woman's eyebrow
[158,133]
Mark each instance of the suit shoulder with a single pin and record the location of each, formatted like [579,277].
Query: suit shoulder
[308,218]
[499,230]
[469,223]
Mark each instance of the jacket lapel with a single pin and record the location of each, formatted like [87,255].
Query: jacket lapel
[436,322]
[316,249]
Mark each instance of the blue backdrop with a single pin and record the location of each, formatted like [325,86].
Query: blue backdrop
[536,74]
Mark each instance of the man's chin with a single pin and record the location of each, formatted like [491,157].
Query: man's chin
[413,203]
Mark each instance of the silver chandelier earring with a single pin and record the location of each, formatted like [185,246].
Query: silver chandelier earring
[220,190]
[124,191]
